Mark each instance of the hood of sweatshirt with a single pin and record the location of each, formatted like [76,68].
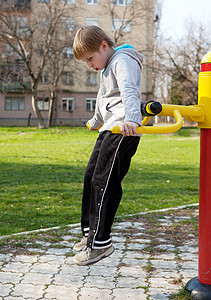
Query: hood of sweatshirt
[132,52]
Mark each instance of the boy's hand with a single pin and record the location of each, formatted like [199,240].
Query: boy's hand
[128,128]
[88,125]
[90,128]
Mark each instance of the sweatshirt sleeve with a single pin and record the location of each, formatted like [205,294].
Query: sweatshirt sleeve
[97,119]
[128,76]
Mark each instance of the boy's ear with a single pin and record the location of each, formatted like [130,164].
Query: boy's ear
[104,44]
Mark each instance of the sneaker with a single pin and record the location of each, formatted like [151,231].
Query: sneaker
[81,245]
[90,256]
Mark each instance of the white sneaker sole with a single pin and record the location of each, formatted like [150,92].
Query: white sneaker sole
[78,249]
[94,260]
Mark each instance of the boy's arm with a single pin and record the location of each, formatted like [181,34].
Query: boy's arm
[128,75]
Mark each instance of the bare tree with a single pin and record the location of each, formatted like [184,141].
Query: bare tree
[36,41]
[126,13]
[60,54]
[179,65]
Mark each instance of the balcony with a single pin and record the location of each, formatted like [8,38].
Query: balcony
[15,87]
[22,4]
[15,4]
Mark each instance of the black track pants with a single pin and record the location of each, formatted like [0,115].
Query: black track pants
[108,164]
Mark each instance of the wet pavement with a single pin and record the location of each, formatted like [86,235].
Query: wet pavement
[153,259]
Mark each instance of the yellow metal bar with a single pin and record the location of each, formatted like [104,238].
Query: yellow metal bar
[204,90]
[146,120]
[148,110]
[157,129]
[88,126]
[193,113]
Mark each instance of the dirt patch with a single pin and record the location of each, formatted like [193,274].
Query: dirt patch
[159,232]
[165,229]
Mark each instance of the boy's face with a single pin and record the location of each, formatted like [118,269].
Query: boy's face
[98,59]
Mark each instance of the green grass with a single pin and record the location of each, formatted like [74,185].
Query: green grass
[183,294]
[41,175]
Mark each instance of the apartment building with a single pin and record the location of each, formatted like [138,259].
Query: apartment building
[126,21]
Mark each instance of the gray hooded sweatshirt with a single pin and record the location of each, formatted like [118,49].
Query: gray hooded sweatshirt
[119,96]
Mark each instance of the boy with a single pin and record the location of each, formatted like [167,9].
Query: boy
[118,103]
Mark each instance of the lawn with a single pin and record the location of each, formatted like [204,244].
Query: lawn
[41,175]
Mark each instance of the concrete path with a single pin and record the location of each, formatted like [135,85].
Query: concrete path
[149,262]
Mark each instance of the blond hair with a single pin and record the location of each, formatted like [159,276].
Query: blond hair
[88,39]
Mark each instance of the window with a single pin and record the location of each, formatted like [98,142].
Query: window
[22,3]
[91,78]
[40,49]
[90,104]
[67,78]
[67,104]
[121,2]
[14,103]
[68,52]
[22,29]
[91,1]
[9,50]
[68,1]
[68,23]
[92,21]
[43,23]
[43,103]
[120,24]
[45,77]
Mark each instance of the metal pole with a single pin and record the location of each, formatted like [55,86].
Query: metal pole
[205,208]
[200,287]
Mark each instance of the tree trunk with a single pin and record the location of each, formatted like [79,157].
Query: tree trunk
[29,119]
[37,112]
[51,108]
